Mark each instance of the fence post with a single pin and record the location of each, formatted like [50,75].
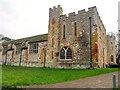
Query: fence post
[114,81]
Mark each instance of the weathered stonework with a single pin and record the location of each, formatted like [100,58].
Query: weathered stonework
[111,51]
[67,44]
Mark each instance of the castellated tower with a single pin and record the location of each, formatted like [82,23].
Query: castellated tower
[53,35]
[68,44]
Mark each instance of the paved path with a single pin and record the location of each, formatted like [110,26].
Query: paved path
[100,81]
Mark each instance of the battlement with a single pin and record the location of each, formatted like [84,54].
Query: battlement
[80,12]
[55,8]
[91,8]
[63,17]
[111,36]
[57,12]
[73,14]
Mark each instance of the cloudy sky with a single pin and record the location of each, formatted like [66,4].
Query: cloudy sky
[24,18]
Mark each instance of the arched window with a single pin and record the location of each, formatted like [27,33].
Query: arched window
[111,46]
[64,31]
[69,54]
[62,53]
[75,29]
[66,53]
[112,58]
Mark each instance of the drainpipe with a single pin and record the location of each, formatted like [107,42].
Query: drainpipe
[44,57]
[20,57]
[90,43]
[5,58]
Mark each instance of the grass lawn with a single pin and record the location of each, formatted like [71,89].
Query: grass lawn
[20,76]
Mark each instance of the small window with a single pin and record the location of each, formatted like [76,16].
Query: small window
[111,46]
[75,29]
[34,48]
[64,32]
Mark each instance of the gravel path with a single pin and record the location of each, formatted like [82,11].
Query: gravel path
[100,81]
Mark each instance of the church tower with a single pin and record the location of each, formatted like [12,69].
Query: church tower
[53,36]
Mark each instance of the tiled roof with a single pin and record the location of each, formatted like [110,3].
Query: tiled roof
[37,38]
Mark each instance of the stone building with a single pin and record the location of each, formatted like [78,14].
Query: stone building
[67,44]
[111,53]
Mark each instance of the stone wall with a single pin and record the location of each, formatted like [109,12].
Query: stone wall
[80,45]
[111,49]
[0,58]
[102,42]
[27,59]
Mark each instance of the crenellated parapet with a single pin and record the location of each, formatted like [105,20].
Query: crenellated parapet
[55,11]
[111,37]
[81,14]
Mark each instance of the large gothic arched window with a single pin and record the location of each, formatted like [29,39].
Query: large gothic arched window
[66,53]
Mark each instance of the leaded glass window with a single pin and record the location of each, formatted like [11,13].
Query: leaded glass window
[66,53]
[34,48]
[69,53]
[62,53]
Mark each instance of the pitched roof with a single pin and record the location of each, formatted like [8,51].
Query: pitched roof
[37,38]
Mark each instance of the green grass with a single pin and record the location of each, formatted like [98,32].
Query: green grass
[20,76]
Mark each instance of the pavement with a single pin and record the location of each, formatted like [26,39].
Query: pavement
[100,81]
